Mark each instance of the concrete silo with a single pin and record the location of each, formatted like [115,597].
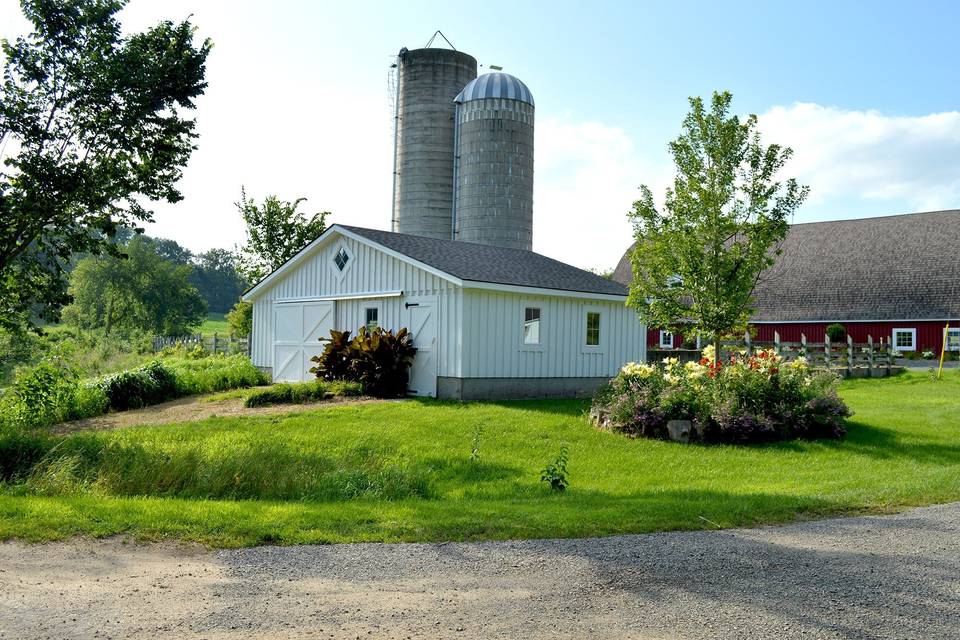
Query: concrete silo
[493,165]
[428,80]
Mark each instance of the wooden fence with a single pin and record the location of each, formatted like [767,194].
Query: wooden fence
[214,344]
[848,358]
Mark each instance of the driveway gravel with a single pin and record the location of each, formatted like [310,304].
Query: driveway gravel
[866,577]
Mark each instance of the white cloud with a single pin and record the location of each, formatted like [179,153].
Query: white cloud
[910,162]
[586,178]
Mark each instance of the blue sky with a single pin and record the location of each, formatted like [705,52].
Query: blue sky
[867,94]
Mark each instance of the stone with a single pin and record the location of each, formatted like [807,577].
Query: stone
[679,430]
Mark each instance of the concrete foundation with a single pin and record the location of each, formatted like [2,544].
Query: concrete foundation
[516,388]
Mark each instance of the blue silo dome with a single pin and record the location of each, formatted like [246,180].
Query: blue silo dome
[495,85]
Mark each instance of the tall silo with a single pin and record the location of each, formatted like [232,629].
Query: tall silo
[428,80]
[493,165]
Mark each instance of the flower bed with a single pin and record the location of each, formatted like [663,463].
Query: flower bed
[752,398]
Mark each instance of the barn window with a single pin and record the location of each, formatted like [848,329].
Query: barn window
[666,340]
[905,339]
[593,328]
[531,325]
[372,318]
[953,339]
[341,259]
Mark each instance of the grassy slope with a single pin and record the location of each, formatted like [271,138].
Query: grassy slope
[215,323]
[903,449]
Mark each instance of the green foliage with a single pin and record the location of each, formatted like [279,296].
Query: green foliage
[214,373]
[475,442]
[240,318]
[276,232]
[216,277]
[756,398]
[836,332]
[301,392]
[150,384]
[555,473]
[139,292]
[94,125]
[901,450]
[49,392]
[378,359]
[696,263]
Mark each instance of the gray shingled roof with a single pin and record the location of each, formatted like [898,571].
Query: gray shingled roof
[482,263]
[904,267]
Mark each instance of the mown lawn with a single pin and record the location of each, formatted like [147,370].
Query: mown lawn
[401,471]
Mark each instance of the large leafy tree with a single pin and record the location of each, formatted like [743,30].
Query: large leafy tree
[697,261]
[140,291]
[93,126]
[216,276]
[276,231]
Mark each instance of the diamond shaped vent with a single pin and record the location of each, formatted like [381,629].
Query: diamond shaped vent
[341,259]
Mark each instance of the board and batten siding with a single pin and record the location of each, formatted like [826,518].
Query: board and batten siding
[370,271]
[493,337]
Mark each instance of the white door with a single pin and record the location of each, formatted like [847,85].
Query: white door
[297,329]
[421,320]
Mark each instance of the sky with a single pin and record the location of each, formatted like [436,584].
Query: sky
[866,93]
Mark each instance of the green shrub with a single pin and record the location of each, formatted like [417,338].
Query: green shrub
[379,360]
[836,332]
[555,473]
[214,373]
[20,450]
[137,388]
[756,398]
[298,393]
[240,318]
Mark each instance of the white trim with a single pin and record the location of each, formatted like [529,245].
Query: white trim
[664,345]
[954,319]
[949,332]
[342,296]
[541,291]
[378,307]
[531,304]
[913,338]
[255,291]
[582,337]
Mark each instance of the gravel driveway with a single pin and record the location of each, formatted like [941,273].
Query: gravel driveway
[871,577]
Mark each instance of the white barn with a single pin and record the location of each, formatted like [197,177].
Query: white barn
[488,322]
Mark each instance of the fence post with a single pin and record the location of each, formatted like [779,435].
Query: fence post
[214,343]
[776,342]
[746,340]
[889,356]
[803,345]
[849,356]
[826,351]
[870,355]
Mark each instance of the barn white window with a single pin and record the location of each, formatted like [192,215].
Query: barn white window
[531,325]
[340,260]
[372,318]
[953,339]
[666,340]
[593,329]
[905,339]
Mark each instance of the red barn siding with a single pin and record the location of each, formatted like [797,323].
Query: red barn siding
[929,334]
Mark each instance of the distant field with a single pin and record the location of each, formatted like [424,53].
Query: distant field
[402,471]
[215,323]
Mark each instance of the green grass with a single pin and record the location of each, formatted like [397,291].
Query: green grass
[402,471]
[215,323]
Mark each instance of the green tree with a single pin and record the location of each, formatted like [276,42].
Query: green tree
[697,262]
[240,318]
[140,291]
[94,126]
[216,276]
[276,231]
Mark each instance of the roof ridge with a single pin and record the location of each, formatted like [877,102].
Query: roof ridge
[880,217]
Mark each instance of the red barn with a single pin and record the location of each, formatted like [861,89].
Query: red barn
[893,277]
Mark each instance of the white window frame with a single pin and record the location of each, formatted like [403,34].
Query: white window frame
[582,331]
[531,304]
[955,331]
[372,305]
[338,274]
[913,338]
[663,342]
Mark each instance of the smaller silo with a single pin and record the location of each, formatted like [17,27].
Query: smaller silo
[493,163]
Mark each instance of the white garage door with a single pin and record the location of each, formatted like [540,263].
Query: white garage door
[422,322]
[297,329]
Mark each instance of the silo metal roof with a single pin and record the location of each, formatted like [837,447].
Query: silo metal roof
[495,85]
